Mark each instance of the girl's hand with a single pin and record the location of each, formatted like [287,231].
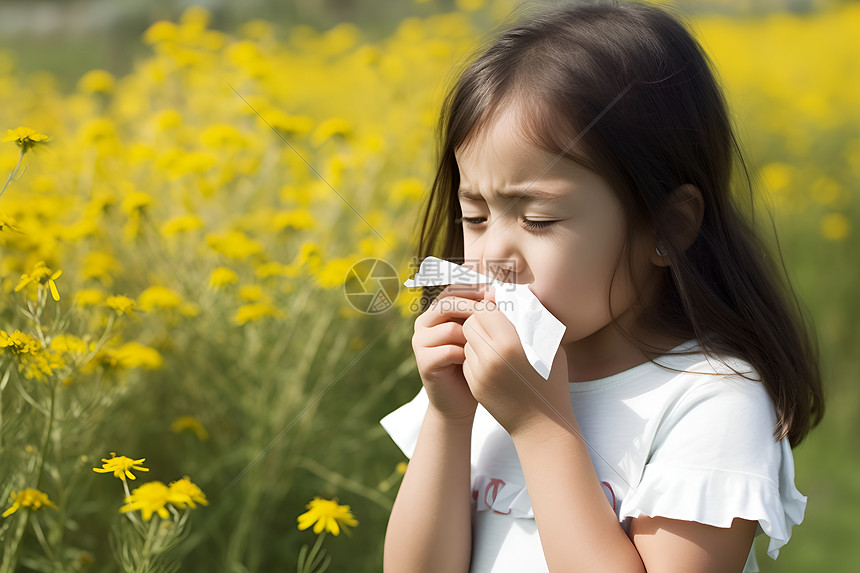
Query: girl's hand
[502,380]
[438,345]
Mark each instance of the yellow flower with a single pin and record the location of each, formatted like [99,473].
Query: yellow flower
[309,256]
[184,493]
[190,423]
[158,297]
[168,119]
[189,309]
[89,297]
[401,467]
[222,136]
[32,498]
[106,357]
[40,365]
[295,219]
[135,202]
[777,176]
[334,273]
[25,137]
[161,31]
[96,81]
[8,222]
[252,293]
[18,342]
[136,355]
[270,269]
[835,226]
[154,496]
[327,514]
[41,274]
[121,304]
[256,311]
[33,361]
[289,124]
[411,189]
[99,265]
[121,466]
[222,276]
[335,126]
[181,224]
[234,244]
[149,498]
[69,344]
[99,131]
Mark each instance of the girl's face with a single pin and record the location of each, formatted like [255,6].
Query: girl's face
[564,235]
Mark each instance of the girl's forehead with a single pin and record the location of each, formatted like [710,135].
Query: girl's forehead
[500,148]
[512,159]
[503,128]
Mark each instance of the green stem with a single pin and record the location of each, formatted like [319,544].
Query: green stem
[147,546]
[310,557]
[40,535]
[132,516]
[12,174]
[10,559]
[3,384]
[37,313]
[47,441]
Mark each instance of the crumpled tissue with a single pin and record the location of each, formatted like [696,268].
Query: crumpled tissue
[540,332]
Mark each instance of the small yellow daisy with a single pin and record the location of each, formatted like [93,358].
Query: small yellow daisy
[25,137]
[184,493]
[327,514]
[120,466]
[32,498]
[149,498]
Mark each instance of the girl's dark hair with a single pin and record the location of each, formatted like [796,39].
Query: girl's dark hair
[640,96]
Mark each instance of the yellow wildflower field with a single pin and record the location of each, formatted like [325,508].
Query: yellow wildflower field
[174,244]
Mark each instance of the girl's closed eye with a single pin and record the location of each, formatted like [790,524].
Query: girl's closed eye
[527,223]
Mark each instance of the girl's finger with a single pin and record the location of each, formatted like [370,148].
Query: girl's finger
[468,357]
[490,293]
[474,291]
[446,309]
[443,356]
[442,334]
[476,335]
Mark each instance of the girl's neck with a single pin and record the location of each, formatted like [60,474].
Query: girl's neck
[608,352]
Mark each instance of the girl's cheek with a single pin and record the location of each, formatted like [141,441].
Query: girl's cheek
[544,297]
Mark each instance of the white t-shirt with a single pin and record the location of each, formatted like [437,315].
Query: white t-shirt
[683,445]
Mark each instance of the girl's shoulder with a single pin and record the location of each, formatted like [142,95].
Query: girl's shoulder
[685,379]
[722,382]
[714,447]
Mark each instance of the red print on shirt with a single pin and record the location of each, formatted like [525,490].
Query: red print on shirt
[495,484]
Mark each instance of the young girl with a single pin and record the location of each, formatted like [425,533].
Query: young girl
[588,153]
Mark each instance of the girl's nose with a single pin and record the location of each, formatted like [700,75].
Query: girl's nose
[500,270]
[501,259]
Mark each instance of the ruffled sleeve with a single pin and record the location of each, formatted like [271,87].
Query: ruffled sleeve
[404,423]
[715,459]
[497,481]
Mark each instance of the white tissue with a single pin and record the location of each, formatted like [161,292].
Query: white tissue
[539,331]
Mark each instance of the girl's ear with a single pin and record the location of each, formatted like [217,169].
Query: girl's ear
[684,213]
[687,200]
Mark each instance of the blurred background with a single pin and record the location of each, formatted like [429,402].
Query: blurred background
[207,160]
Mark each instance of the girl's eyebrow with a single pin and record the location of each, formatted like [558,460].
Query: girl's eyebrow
[511,193]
